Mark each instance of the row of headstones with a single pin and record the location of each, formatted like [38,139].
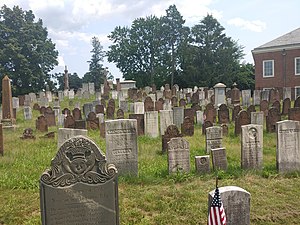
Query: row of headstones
[83,184]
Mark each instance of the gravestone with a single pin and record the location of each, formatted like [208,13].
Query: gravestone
[159,105]
[80,124]
[252,147]
[178,155]
[140,123]
[276,104]
[121,145]
[76,114]
[246,97]
[257,118]
[69,122]
[272,118]
[220,97]
[264,95]
[202,164]
[190,112]
[167,105]
[80,187]
[182,103]
[225,129]
[148,104]
[235,112]
[223,114]
[286,105]
[87,108]
[288,146]
[242,118]
[166,119]
[41,124]
[236,203]
[174,101]
[274,95]
[139,108]
[294,114]
[50,117]
[7,109]
[15,103]
[120,114]
[264,107]
[42,110]
[92,122]
[27,134]
[124,106]
[199,117]
[27,113]
[219,159]
[110,112]
[151,124]
[256,97]
[187,127]
[250,109]
[214,138]
[205,125]
[99,109]
[235,95]
[210,113]
[178,116]
[64,134]
[287,92]
[171,132]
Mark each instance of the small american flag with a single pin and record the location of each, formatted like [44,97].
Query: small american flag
[216,215]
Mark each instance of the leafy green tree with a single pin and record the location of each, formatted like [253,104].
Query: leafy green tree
[27,55]
[176,35]
[96,70]
[245,78]
[215,57]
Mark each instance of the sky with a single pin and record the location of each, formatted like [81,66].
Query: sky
[71,24]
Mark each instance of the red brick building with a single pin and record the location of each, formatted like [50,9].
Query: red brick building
[277,63]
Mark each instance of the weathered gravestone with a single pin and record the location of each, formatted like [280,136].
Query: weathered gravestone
[178,155]
[140,123]
[159,105]
[264,107]
[7,110]
[139,108]
[67,133]
[274,95]
[202,164]
[276,104]
[294,114]
[120,114]
[187,127]
[256,97]
[148,104]
[210,113]
[205,125]
[214,138]
[121,145]
[110,112]
[182,103]
[242,118]
[50,117]
[190,112]
[272,118]
[92,122]
[252,147]
[166,119]
[257,118]
[219,159]
[27,113]
[246,97]
[87,108]
[250,109]
[80,187]
[77,114]
[236,203]
[288,146]
[80,124]
[171,132]
[69,122]
[286,105]
[41,124]
[235,112]
[199,117]
[223,114]
[151,124]
[99,109]
[178,116]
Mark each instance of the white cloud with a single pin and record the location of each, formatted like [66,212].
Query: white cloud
[254,25]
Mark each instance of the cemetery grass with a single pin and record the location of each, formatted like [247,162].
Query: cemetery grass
[154,197]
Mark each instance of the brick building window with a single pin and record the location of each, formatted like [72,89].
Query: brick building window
[297,66]
[268,68]
[297,91]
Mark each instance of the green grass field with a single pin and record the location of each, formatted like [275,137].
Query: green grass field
[154,197]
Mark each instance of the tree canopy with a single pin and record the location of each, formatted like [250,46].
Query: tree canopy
[163,50]
[27,55]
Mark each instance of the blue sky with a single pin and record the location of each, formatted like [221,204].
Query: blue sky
[72,23]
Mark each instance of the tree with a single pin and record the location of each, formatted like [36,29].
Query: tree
[75,82]
[214,57]
[176,36]
[96,70]
[245,78]
[27,55]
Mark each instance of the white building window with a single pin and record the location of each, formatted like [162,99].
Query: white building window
[297,66]
[297,91]
[268,68]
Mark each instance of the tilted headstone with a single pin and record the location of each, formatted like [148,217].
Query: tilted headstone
[214,138]
[80,187]
[236,203]
[151,124]
[252,147]
[178,155]
[288,146]
[202,164]
[219,159]
[121,145]
[67,133]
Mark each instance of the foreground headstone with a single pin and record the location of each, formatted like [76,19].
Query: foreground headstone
[121,145]
[288,146]
[80,187]
[236,203]
[178,155]
[252,147]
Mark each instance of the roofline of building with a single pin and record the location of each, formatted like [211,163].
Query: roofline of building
[276,48]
